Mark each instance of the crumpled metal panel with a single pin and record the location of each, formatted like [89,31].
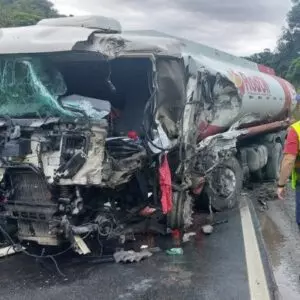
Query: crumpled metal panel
[94,22]
[41,39]
[196,49]
[91,172]
[48,39]
[157,45]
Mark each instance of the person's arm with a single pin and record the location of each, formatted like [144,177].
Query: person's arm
[291,149]
[287,166]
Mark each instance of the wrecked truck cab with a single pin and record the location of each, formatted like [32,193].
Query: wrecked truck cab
[86,114]
[116,133]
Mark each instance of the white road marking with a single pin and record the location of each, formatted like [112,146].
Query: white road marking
[256,275]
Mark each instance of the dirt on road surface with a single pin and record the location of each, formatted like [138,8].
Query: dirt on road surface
[213,267]
[281,236]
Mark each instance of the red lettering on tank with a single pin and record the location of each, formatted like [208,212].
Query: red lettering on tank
[250,84]
[265,87]
[257,85]
[245,82]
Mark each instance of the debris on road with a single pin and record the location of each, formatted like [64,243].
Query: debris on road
[207,229]
[219,222]
[154,250]
[175,251]
[187,236]
[9,250]
[131,256]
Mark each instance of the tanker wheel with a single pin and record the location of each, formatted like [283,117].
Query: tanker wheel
[226,185]
[180,216]
[274,161]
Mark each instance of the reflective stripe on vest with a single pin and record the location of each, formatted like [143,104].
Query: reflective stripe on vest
[296,170]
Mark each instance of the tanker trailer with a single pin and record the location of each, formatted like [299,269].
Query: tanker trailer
[242,110]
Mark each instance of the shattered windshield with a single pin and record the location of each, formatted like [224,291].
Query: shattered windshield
[30,88]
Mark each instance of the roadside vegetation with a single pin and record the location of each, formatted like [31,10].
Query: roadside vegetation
[25,12]
[285,59]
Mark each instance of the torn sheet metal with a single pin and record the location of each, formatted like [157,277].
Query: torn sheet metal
[42,39]
[80,246]
[50,39]
[171,94]
[100,23]
[91,172]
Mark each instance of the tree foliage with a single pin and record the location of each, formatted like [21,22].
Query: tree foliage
[293,73]
[264,58]
[25,12]
[285,58]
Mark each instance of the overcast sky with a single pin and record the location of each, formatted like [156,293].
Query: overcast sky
[237,26]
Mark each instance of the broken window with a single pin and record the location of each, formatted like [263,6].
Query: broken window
[65,84]
[30,88]
[126,83]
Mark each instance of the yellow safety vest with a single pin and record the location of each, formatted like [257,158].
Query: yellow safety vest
[296,170]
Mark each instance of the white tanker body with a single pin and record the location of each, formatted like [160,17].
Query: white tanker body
[251,95]
[244,113]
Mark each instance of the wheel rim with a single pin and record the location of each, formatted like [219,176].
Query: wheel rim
[224,182]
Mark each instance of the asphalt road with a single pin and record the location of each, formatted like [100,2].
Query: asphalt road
[229,264]
[282,239]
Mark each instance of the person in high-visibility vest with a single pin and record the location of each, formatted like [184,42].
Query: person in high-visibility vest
[290,165]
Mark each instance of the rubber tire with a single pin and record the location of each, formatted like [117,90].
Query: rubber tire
[274,161]
[220,204]
[175,217]
[258,176]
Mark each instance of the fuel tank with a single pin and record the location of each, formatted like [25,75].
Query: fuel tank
[243,97]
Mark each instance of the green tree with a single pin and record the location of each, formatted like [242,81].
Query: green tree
[264,58]
[293,73]
[288,45]
[25,12]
